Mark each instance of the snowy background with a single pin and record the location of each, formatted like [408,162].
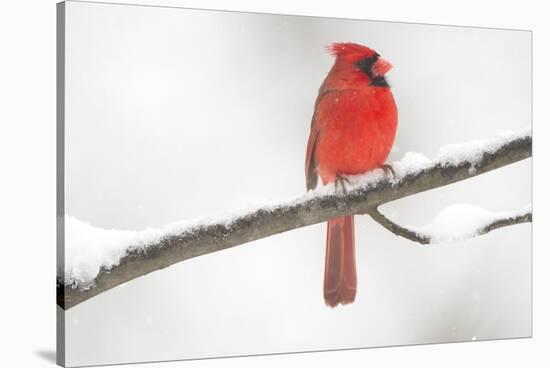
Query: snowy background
[174,114]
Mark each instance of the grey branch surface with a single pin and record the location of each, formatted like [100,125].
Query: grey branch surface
[310,209]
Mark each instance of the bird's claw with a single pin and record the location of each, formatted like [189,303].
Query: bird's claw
[389,171]
[343,181]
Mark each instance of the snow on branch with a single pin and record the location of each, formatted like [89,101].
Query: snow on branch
[98,259]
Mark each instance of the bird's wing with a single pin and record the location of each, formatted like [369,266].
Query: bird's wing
[311,163]
[324,106]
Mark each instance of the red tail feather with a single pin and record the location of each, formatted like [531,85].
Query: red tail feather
[340,275]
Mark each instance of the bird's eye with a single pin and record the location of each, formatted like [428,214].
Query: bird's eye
[367,63]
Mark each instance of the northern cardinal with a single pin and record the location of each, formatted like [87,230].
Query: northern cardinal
[352,132]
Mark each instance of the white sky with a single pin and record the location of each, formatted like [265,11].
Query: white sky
[173,114]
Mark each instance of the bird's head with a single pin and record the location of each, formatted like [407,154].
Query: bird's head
[364,59]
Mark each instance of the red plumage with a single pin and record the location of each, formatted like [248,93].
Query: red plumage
[352,132]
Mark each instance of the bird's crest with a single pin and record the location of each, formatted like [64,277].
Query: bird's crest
[350,51]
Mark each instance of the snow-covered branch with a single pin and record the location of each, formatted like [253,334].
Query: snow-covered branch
[455,223]
[108,258]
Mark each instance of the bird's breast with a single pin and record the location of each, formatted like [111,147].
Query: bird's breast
[357,129]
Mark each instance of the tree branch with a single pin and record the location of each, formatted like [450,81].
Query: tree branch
[507,221]
[427,238]
[311,208]
[398,229]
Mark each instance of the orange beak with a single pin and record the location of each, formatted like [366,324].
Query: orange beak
[381,67]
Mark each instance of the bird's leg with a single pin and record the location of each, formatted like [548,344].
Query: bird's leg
[388,169]
[342,180]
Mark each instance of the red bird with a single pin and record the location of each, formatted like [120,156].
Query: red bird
[352,132]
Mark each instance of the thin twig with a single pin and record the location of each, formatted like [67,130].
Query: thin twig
[519,219]
[423,238]
[398,229]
